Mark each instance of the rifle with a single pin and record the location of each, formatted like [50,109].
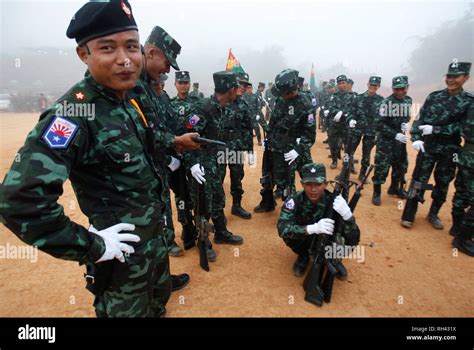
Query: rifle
[289,189]
[185,216]
[267,179]
[204,141]
[203,227]
[415,192]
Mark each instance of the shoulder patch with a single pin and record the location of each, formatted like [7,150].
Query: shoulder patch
[192,121]
[290,204]
[311,119]
[60,133]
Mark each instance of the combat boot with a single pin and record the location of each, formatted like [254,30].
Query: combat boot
[267,203]
[175,250]
[463,241]
[179,281]
[300,265]
[433,217]
[237,210]
[341,273]
[456,227]
[333,164]
[393,189]
[222,235]
[376,200]
[188,236]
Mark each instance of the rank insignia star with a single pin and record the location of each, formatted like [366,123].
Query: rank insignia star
[80,96]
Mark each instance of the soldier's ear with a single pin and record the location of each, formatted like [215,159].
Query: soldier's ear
[82,53]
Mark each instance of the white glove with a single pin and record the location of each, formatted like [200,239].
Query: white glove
[114,248]
[325,226]
[326,112]
[418,146]
[257,117]
[198,173]
[341,207]
[174,164]
[401,138]
[352,123]
[318,109]
[298,140]
[338,116]
[263,143]
[404,126]
[251,158]
[291,156]
[426,129]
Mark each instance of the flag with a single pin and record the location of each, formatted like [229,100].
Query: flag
[233,63]
[312,80]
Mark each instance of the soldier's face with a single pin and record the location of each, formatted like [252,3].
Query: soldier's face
[332,89]
[455,82]
[400,93]
[115,60]
[249,90]
[314,191]
[261,88]
[226,97]
[182,87]
[241,89]
[289,95]
[342,86]
[372,88]
[156,62]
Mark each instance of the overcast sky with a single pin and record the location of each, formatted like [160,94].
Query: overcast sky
[365,35]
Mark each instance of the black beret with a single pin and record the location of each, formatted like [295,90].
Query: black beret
[98,19]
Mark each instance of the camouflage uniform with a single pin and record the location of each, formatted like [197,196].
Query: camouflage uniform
[255,109]
[270,98]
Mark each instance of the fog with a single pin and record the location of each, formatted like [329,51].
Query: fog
[357,38]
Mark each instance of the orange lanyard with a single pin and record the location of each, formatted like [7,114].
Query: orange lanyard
[135,104]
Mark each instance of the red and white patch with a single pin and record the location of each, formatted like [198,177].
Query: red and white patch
[127,10]
[80,96]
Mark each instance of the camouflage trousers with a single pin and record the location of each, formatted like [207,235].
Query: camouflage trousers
[236,176]
[390,153]
[336,137]
[464,195]
[444,166]
[368,142]
[283,174]
[141,286]
[182,196]
[299,246]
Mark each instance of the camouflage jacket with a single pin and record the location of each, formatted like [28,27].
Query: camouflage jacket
[182,109]
[235,128]
[298,211]
[340,101]
[366,113]
[292,119]
[254,108]
[392,113]
[467,132]
[109,163]
[444,113]
[270,98]
[197,94]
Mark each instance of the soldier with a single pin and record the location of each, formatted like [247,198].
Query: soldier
[323,101]
[436,132]
[270,99]
[256,111]
[109,161]
[203,164]
[340,107]
[292,129]
[350,84]
[235,129]
[363,121]
[303,215]
[392,123]
[196,92]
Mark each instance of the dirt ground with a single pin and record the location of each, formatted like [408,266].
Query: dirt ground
[405,272]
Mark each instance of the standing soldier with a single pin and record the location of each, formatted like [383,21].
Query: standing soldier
[196,92]
[392,123]
[235,129]
[436,132]
[109,161]
[350,85]
[270,99]
[340,107]
[254,108]
[292,129]
[365,116]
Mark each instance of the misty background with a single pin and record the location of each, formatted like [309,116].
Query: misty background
[357,38]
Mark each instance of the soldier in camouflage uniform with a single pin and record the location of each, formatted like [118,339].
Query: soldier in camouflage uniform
[255,102]
[365,115]
[463,221]
[350,85]
[270,99]
[392,123]
[109,161]
[235,129]
[340,107]
[436,131]
[303,215]
[323,102]
[196,92]
[203,164]
[292,119]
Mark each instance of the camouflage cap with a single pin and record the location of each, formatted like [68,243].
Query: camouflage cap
[341,77]
[182,76]
[350,81]
[243,78]
[459,68]
[333,81]
[196,85]
[224,81]
[97,19]
[260,84]
[313,172]
[285,81]
[400,82]
[161,39]
[375,80]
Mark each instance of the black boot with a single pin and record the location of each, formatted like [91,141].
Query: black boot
[463,241]
[179,281]
[393,189]
[456,228]
[341,271]
[300,265]
[267,203]
[334,163]
[376,196]
[433,217]
[222,235]
[237,210]
[188,236]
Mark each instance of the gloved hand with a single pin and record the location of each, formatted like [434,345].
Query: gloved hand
[291,156]
[338,116]
[418,145]
[251,158]
[426,129]
[257,117]
[352,123]
[198,173]
[325,226]
[342,208]
[298,140]
[174,164]
[114,247]
[401,138]
[404,127]
[326,112]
